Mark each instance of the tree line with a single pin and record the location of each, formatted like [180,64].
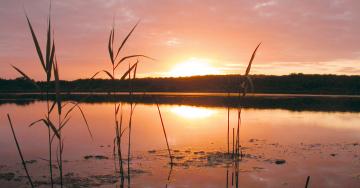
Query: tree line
[292,83]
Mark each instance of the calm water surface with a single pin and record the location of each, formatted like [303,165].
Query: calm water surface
[323,145]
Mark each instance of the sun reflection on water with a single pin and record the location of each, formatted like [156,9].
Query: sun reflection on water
[192,112]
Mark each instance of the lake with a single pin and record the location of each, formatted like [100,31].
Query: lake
[284,139]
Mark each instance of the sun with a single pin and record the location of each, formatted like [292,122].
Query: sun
[193,66]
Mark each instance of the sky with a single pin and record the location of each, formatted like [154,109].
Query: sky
[186,37]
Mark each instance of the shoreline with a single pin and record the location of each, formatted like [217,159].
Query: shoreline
[292,102]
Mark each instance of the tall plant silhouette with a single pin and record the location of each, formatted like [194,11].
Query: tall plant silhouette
[245,84]
[116,59]
[50,67]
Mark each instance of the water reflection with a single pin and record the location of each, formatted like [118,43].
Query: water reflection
[193,129]
[190,112]
[329,103]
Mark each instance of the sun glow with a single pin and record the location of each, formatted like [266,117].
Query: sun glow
[193,66]
[192,112]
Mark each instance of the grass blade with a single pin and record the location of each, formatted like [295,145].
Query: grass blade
[37,46]
[47,123]
[48,46]
[128,71]
[105,71]
[117,109]
[251,60]
[57,85]
[51,62]
[35,122]
[131,56]
[27,77]
[126,38]
[82,114]
[111,53]
[62,125]
[19,150]
[163,126]
[250,83]
[52,107]
[52,126]
[134,76]
[307,182]
[108,73]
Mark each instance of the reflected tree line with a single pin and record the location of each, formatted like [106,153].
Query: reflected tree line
[293,83]
[298,103]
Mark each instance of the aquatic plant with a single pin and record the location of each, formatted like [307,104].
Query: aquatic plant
[114,55]
[244,85]
[307,182]
[47,68]
[50,65]
[19,150]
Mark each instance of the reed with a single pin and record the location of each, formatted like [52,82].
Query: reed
[50,67]
[169,176]
[307,182]
[116,60]
[245,83]
[228,130]
[19,150]
[118,142]
[46,64]
[233,141]
[163,126]
[129,142]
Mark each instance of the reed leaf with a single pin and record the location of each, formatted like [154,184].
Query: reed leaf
[122,132]
[134,76]
[126,38]
[62,124]
[52,107]
[76,105]
[57,85]
[250,83]
[27,77]
[35,122]
[37,46]
[52,126]
[113,36]
[251,60]
[19,150]
[117,109]
[128,71]
[111,53]
[114,147]
[47,123]
[86,122]
[48,46]
[131,56]
[108,73]
[105,71]
[50,62]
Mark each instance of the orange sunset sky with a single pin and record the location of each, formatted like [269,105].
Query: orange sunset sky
[187,37]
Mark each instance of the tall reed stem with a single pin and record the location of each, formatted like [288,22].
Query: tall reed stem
[233,141]
[19,150]
[129,142]
[307,181]
[163,126]
[228,130]
[61,152]
[237,133]
[49,136]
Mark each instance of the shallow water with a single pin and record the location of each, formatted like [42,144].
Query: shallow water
[322,145]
